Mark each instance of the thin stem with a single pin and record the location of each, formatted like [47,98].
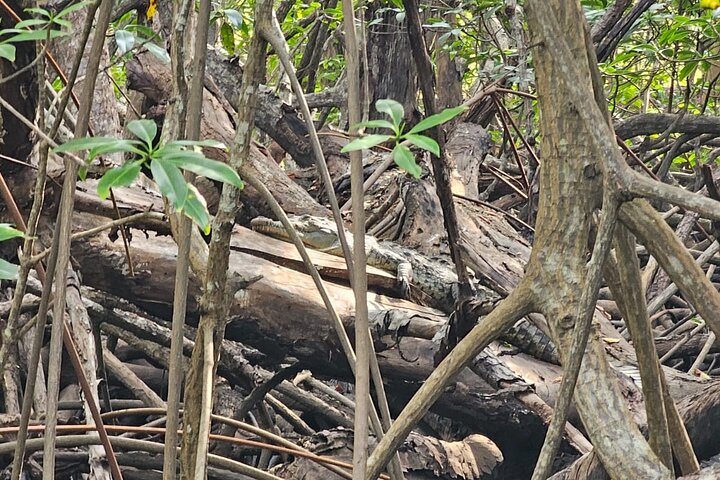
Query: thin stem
[63,230]
[106,226]
[271,31]
[184,230]
[317,280]
[441,171]
[37,341]
[9,335]
[216,292]
[206,404]
[359,283]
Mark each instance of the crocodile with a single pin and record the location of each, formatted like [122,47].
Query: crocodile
[434,278]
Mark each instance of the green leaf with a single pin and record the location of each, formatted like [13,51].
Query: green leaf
[159,52]
[234,17]
[227,38]
[125,41]
[33,35]
[31,22]
[375,124]
[365,142]
[100,146]
[437,119]
[144,129]
[83,143]
[198,143]
[173,148]
[8,271]
[7,232]
[7,52]
[392,108]
[687,70]
[73,8]
[118,145]
[404,159]
[38,11]
[199,165]
[121,176]
[196,209]
[63,24]
[171,182]
[426,143]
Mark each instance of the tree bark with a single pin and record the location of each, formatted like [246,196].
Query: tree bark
[570,186]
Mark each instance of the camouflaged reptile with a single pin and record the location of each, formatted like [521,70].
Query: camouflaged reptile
[434,279]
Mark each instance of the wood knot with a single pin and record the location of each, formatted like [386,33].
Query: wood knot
[589,171]
[567,322]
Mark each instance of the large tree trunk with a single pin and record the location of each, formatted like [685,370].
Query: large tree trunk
[391,70]
[571,187]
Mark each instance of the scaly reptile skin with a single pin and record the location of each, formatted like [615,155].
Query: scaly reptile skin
[436,281]
[432,277]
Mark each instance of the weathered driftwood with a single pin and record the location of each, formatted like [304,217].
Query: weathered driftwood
[152,339]
[265,323]
[282,315]
[127,377]
[474,457]
[701,414]
[462,403]
[280,121]
[690,348]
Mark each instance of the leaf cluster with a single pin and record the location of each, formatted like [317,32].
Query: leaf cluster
[45,25]
[135,36]
[667,62]
[231,21]
[166,162]
[401,154]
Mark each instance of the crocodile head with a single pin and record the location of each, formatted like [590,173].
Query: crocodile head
[315,232]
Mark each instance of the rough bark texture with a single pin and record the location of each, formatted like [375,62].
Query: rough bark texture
[570,183]
[274,117]
[472,457]
[260,318]
[81,329]
[282,323]
[388,46]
